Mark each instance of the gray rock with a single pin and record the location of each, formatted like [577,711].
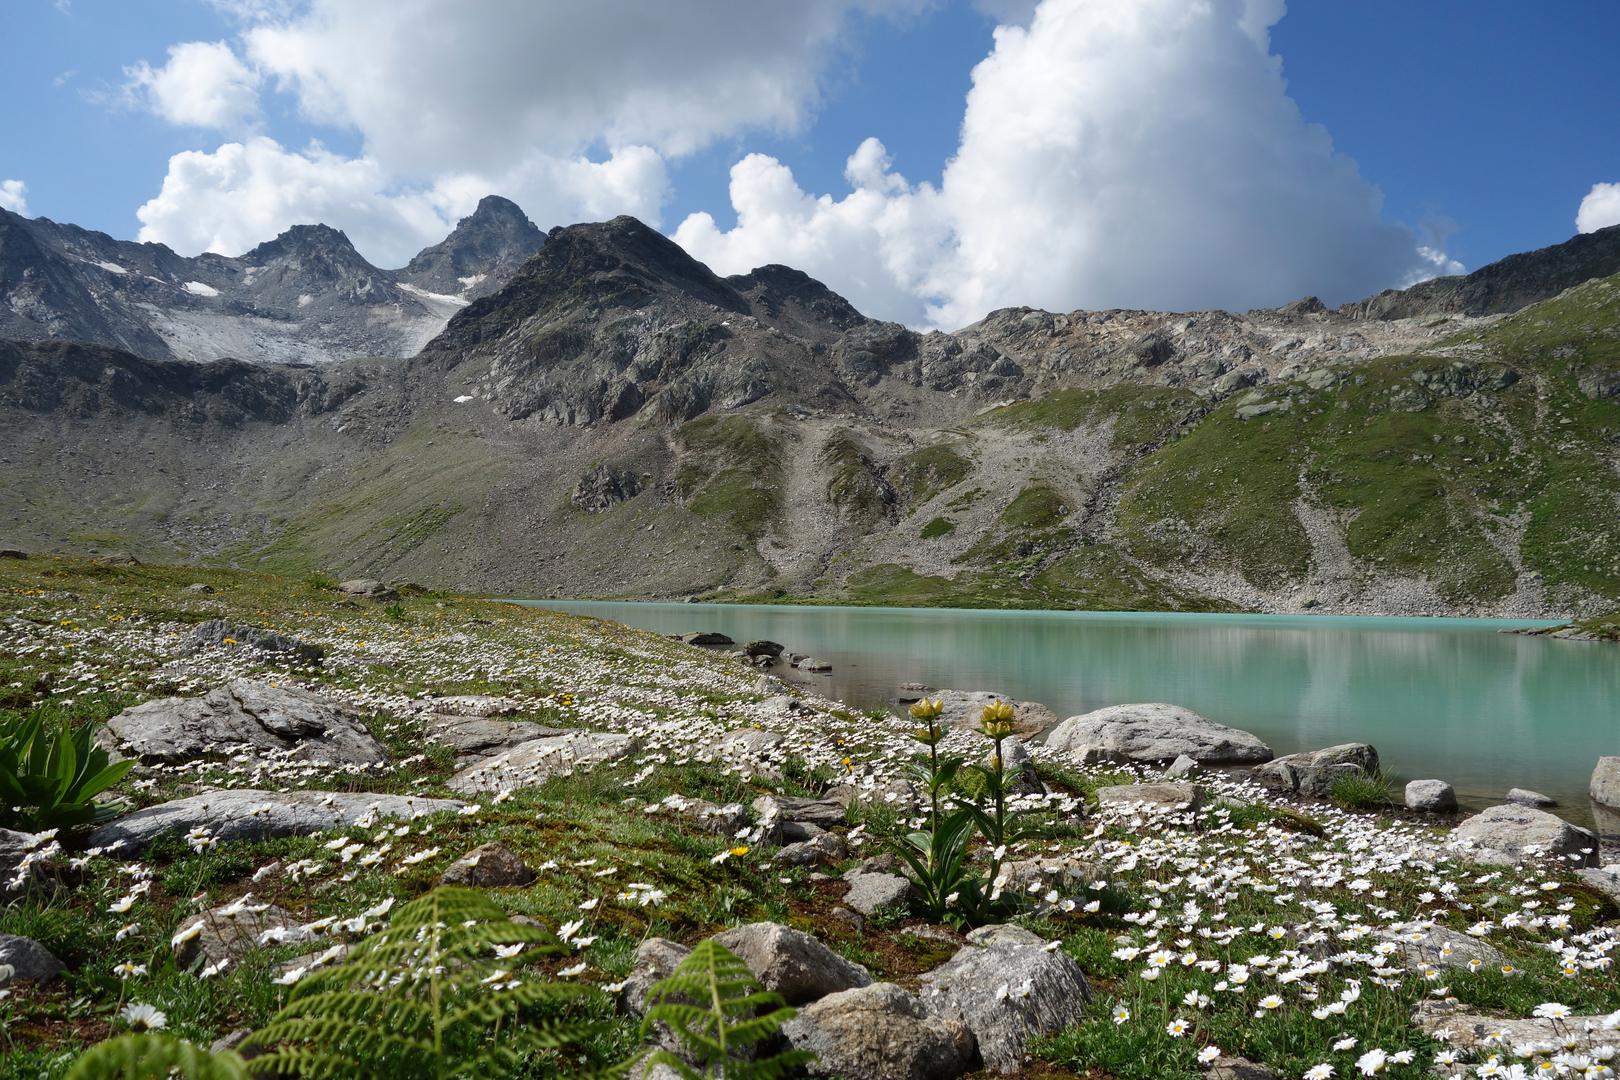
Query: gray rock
[1182,766]
[1525,797]
[1006,988]
[1227,1067]
[1605,880]
[1313,772]
[231,931]
[1442,947]
[1431,797]
[219,634]
[14,848]
[1154,732]
[605,486]
[869,892]
[370,588]
[792,963]
[490,866]
[198,588]
[879,1032]
[725,820]
[788,808]
[1605,787]
[476,737]
[1168,796]
[762,648]
[963,709]
[1019,767]
[460,705]
[656,960]
[1473,1032]
[751,743]
[810,663]
[706,638]
[1069,874]
[259,719]
[1512,834]
[820,850]
[249,814]
[539,760]
[27,959]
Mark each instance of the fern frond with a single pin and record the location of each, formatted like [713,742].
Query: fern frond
[154,1056]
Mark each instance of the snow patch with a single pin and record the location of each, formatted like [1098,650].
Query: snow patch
[112,268]
[304,299]
[442,298]
[198,288]
[463,397]
[470,280]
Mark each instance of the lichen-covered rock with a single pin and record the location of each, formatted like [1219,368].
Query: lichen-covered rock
[490,866]
[261,720]
[879,1032]
[1431,797]
[1314,772]
[1006,986]
[538,760]
[1512,834]
[869,892]
[792,963]
[1155,732]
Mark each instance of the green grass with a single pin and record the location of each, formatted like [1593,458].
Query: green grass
[1362,791]
[1035,507]
[938,527]
[1140,416]
[854,484]
[929,470]
[732,473]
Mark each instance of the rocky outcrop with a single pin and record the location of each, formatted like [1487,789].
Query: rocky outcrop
[1154,733]
[879,1032]
[605,486]
[249,814]
[245,718]
[539,760]
[792,963]
[1471,1032]
[1006,987]
[1512,834]
[1314,772]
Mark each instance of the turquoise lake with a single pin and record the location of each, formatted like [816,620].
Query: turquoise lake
[1447,698]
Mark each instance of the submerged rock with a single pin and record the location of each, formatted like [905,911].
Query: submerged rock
[1525,797]
[1155,732]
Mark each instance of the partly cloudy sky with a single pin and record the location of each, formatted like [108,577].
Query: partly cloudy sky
[931,160]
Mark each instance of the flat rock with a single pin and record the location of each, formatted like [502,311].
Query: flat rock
[244,717]
[1511,834]
[812,664]
[1476,1031]
[220,634]
[1431,797]
[1525,797]
[1313,772]
[879,1032]
[1605,787]
[820,850]
[482,736]
[1182,766]
[1006,988]
[1155,732]
[792,963]
[28,959]
[752,744]
[233,930]
[459,705]
[539,760]
[370,588]
[963,709]
[1168,796]
[1227,1067]
[787,808]
[490,866]
[869,892]
[250,814]
[1443,947]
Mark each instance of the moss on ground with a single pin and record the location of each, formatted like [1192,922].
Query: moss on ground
[929,470]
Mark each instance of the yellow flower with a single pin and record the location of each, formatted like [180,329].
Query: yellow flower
[740,850]
[997,718]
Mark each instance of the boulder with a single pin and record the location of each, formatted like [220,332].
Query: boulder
[476,737]
[792,963]
[656,960]
[1006,988]
[1155,732]
[879,1032]
[706,638]
[1167,796]
[1313,772]
[249,814]
[1472,1033]
[27,959]
[820,850]
[490,866]
[1442,947]
[1605,880]
[1513,834]
[233,930]
[1431,797]
[538,760]
[811,664]
[370,588]
[869,892]
[1605,786]
[220,634]
[244,717]
[1525,797]
[198,588]
[963,709]
[756,649]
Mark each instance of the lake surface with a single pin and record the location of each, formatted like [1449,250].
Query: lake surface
[1448,698]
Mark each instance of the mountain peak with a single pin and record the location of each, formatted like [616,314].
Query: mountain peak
[305,239]
[484,249]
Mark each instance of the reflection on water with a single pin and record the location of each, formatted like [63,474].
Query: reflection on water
[1450,698]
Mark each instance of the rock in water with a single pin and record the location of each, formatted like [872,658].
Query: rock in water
[879,1032]
[245,716]
[1526,797]
[1155,732]
[1313,772]
[1431,797]
[249,814]
[1513,834]
[1605,787]
[792,963]
[1006,988]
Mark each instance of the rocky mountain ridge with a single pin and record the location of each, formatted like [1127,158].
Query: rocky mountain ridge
[306,296]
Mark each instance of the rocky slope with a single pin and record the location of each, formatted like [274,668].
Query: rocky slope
[618,420]
[306,296]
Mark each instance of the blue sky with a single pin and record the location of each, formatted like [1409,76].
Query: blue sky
[1482,124]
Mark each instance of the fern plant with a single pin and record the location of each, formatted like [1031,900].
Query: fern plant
[50,774]
[442,992]
[724,1020]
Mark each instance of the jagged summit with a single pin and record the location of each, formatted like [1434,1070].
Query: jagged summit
[304,239]
[481,253]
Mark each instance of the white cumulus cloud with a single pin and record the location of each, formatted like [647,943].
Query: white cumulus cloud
[204,84]
[1599,209]
[14,196]
[1113,153]
[243,193]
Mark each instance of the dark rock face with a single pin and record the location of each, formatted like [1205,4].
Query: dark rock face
[480,255]
[605,486]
